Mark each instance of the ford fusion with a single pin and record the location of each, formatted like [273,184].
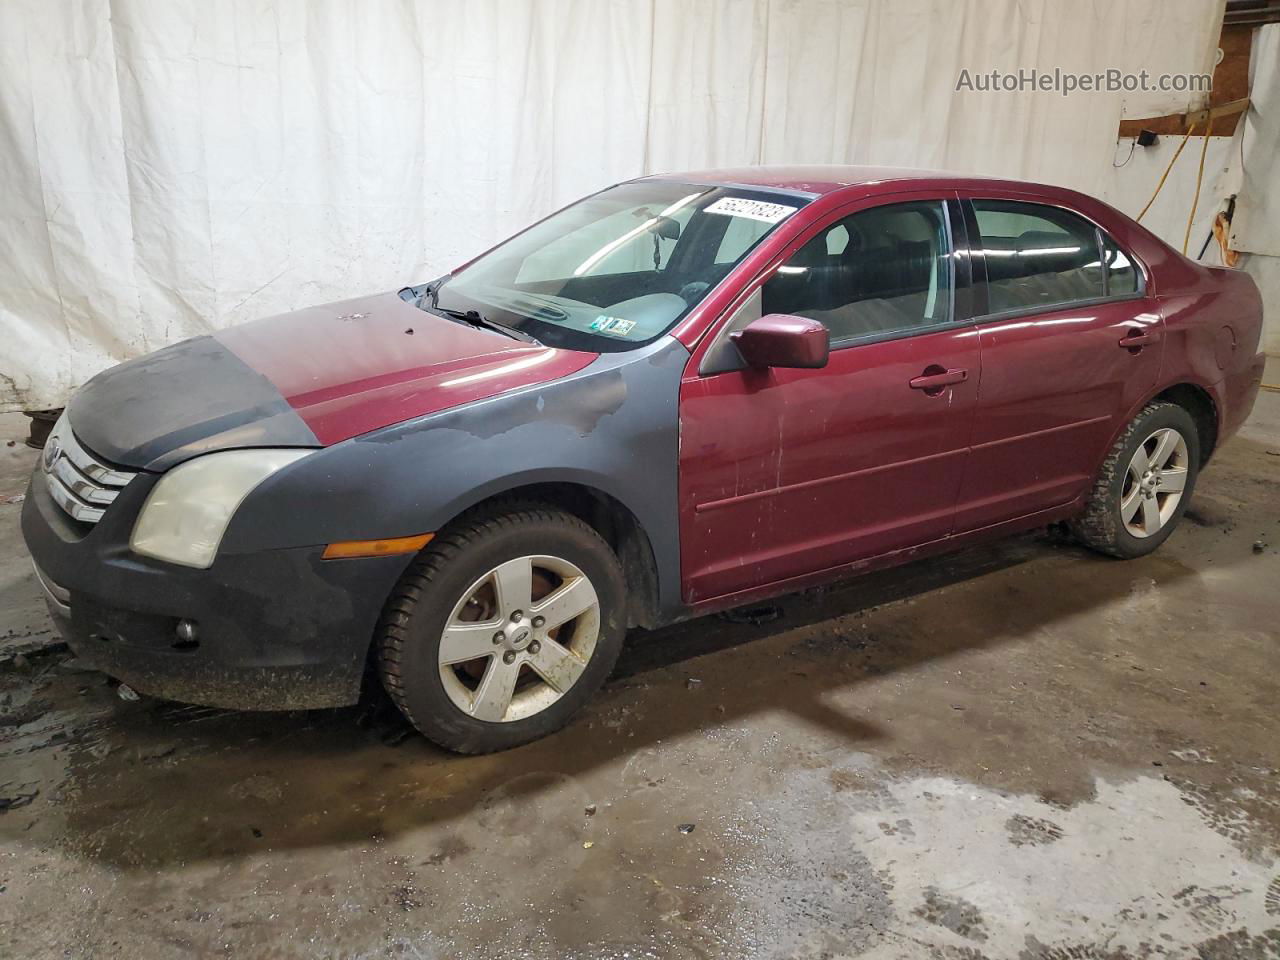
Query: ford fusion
[678,395]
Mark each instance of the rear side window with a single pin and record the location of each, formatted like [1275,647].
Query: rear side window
[880,271]
[1122,275]
[1037,256]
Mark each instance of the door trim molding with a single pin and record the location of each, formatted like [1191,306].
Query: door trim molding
[710,505]
[1073,425]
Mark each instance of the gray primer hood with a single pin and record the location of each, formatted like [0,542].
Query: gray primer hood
[190,398]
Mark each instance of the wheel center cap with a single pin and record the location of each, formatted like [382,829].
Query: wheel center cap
[520,638]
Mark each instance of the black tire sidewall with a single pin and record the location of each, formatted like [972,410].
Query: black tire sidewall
[427,702]
[1169,415]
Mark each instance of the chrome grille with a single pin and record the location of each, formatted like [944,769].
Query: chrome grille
[79,483]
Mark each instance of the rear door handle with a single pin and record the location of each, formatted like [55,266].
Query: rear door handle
[1139,338]
[931,382]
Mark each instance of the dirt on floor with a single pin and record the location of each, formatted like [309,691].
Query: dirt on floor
[1022,751]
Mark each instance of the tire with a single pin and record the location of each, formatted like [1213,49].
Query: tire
[458,583]
[1120,484]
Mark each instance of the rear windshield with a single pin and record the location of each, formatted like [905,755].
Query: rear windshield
[619,268]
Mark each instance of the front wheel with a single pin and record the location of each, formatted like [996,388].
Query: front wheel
[1144,485]
[502,628]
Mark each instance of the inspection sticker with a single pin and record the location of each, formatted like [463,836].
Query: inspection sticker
[751,209]
[613,325]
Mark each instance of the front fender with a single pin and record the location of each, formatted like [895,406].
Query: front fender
[613,426]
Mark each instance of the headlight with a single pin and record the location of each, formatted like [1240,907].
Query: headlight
[187,512]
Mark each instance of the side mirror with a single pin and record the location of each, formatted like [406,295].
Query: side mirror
[781,340]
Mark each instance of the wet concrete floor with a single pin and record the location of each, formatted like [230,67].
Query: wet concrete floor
[1022,751]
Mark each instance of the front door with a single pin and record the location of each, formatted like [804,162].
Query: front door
[787,472]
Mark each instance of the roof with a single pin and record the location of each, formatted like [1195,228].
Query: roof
[808,178]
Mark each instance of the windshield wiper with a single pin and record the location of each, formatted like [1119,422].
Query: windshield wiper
[476,319]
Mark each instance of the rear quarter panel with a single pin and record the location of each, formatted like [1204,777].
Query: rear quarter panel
[1212,319]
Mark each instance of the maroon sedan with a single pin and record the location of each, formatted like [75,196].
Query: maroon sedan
[677,395]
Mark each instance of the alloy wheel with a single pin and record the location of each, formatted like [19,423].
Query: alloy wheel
[518,638]
[1154,482]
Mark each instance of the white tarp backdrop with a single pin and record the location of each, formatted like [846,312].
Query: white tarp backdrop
[169,168]
[1257,161]
[1255,178]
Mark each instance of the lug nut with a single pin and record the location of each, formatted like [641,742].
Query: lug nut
[509,657]
[517,616]
[499,637]
[539,621]
[535,647]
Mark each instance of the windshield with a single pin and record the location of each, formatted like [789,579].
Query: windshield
[616,269]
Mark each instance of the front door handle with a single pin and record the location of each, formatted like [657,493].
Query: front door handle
[1135,339]
[936,378]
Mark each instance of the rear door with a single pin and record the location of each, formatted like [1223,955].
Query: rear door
[789,472]
[1070,343]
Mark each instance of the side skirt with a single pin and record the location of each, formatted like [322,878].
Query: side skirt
[895,558]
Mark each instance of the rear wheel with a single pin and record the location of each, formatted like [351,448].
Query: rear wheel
[502,628]
[1144,485]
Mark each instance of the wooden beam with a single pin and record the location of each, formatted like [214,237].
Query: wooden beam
[1201,117]
[1230,84]
[1251,13]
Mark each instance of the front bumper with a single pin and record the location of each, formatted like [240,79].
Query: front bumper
[276,629]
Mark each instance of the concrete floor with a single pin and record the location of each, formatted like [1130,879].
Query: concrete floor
[1024,751]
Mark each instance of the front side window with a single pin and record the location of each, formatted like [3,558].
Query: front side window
[1037,256]
[619,268]
[880,271]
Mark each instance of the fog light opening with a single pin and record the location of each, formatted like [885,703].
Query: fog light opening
[188,635]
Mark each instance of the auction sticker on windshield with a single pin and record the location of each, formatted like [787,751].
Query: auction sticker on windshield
[751,209]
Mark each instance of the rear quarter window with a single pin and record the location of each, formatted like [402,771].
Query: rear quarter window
[1122,274]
